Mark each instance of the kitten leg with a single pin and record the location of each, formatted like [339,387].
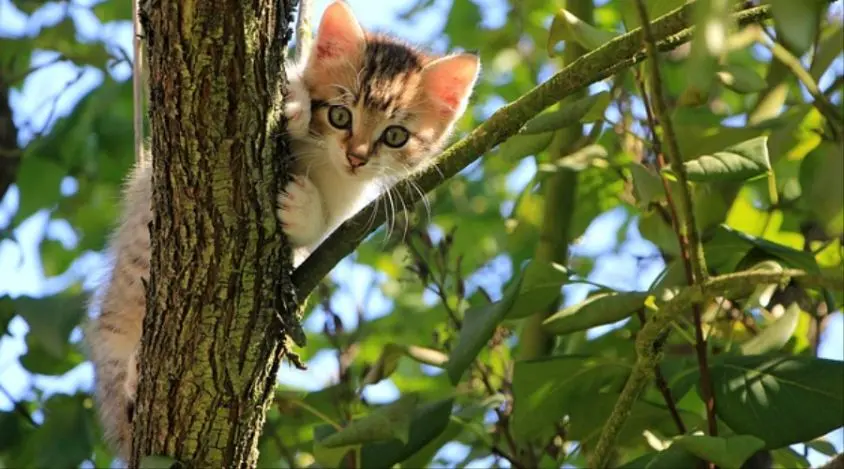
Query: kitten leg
[301,212]
[130,385]
[297,104]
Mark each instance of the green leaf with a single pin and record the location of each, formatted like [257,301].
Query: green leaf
[736,163]
[712,19]
[538,287]
[823,447]
[831,46]
[580,160]
[388,360]
[671,458]
[741,79]
[586,109]
[39,181]
[29,6]
[51,319]
[113,10]
[796,23]
[522,145]
[385,423]
[727,452]
[781,399]
[568,27]
[67,436]
[61,38]
[40,360]
[590,413]
[599,309]
[787,457]
[479,323]
[545,390]
[730,248]
[647,184]
[55,258]
[820,182]
[159,462]
[428,422]
[776,335]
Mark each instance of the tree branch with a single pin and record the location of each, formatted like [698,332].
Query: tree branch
[687,233]
[648,341]
[671,30]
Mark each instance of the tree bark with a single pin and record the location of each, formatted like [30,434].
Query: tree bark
[220,270]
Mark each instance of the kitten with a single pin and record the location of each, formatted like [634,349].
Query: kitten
[379,110]
[362,109]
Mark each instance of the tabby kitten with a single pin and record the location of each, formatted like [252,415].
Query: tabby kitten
[362,109]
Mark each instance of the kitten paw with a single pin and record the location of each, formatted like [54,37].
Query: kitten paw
[300,212]
[130,385]
[297,108]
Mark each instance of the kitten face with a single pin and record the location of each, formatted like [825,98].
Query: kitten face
[380,108]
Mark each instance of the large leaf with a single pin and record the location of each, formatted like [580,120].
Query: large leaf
[545,390]
[741,79]
[388,361]
[599,309]
[385,423]
[428,423]
[780,399]
[539,286]
[522,145]
[796,23]
[479,323]
[726,452]
[673,457]
[730,248]
[568,27]
[820,182]
[736,163]
[67,435]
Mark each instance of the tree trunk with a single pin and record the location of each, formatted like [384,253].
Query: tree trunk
[220,271]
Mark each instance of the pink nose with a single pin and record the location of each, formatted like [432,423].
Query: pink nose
[356,161]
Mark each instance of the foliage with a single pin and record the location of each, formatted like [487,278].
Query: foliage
[459,280]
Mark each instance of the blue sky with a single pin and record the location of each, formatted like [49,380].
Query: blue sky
[20,270]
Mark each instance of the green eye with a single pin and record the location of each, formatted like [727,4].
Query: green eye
[340,117]
[395,136]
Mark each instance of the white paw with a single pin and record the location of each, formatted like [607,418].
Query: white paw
[300,212]
[297,108]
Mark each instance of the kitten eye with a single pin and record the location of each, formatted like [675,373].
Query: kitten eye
[395,136]
[340,117]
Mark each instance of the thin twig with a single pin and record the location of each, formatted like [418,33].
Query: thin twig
[663,388]
[690,244]
[18,407]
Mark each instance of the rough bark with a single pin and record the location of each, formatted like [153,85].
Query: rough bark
[220,272]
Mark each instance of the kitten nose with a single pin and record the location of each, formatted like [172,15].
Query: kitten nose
[356,159]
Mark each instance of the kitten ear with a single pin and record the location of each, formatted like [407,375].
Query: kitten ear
[339,34]
[448,83]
